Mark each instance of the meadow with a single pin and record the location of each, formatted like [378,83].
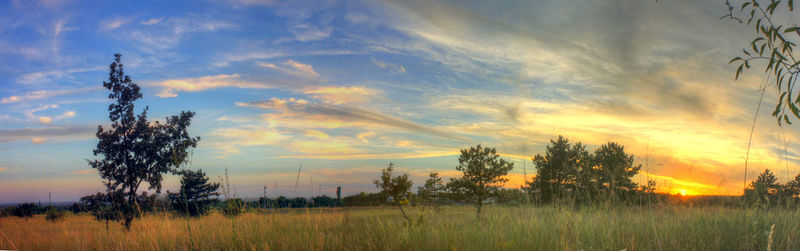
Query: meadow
[449,228]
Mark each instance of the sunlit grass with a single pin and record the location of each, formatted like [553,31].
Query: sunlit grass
[511,228]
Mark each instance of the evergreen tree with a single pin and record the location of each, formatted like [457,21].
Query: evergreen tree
[482,174]
[194,196]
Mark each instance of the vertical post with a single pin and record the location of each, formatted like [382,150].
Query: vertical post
[49,199]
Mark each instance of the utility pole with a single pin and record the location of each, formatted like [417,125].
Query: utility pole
[49,199]
[265,196]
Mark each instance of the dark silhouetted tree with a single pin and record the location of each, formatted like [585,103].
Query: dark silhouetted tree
[764,190]
[562,171]
[194,196]
[398,187]
[134,150]
[25,210]
[482,174]
[615,169]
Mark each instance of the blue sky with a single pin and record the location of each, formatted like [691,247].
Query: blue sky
[344,87]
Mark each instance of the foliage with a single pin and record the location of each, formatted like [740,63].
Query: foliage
[558,172]
[396,187]
[482,173]
[763,190]
[233,207]
[194,196]
[615,169]
[24,210]
[363,199]
[569,173]
[433,191]
[774,45]
[54,215]
[511,197]
[134,150]
[101,207]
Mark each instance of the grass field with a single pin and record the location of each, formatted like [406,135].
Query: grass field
[451,228]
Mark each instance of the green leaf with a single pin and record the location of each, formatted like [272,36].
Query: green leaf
[791,29]
[738,71]
[736,58]
[791,5]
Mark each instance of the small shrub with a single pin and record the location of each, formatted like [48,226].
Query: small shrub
[54,215]
[233,207]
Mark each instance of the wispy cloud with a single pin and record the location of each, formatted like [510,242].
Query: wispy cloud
[171,87]
[41,135]
[152,21]
[337,95]
[293,68]
[335,115]
[43,94]
[114,23]
[42,77]
[393,68]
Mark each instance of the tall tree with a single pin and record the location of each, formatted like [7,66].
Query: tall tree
[559,170]
[194,196]
[482,171]
[431,192]
[615,168]
[134,150]
[396,186]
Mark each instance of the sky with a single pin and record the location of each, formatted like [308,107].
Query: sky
[345,87]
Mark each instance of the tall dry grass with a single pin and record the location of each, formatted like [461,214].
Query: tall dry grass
[504,228]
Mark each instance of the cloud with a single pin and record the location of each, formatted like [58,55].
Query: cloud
[3,169]
[344,116]
[112,24]
[337,95]
[45,120]
[152,21]
[231,139]
[393,68]
[171,87]
[40,135]
[171,32]
[293,68]
[44,77]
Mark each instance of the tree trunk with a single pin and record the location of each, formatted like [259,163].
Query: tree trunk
[480,204]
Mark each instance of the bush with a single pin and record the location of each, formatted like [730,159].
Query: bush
[54,215]
[233,207]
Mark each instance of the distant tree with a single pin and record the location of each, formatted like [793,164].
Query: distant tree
[134,150]
[431,192]
[482,174]
[339,196]
[559,170]
[194,196]
[615,169]
[323,201]
[764,190]
[398,187]
[511,197]
[101,207]
[25,210]
[54,215]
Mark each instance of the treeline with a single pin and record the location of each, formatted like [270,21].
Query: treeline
[765,191]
